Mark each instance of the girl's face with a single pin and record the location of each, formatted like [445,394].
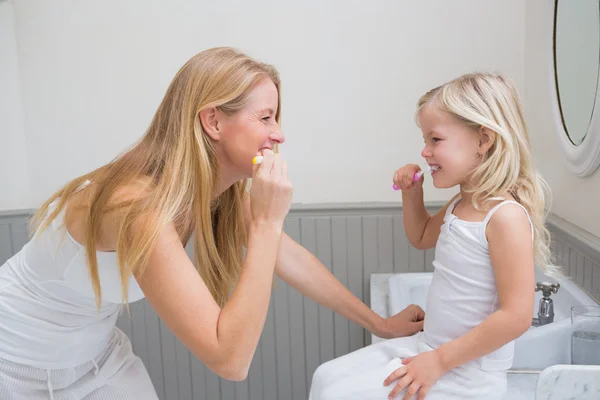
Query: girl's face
[452,148]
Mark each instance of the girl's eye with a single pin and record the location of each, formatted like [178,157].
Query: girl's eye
[435,140]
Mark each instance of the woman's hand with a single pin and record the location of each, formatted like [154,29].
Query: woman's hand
[418,375]
[407,322]
[271,192]
[403,178]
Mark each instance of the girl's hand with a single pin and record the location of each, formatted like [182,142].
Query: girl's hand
[403,178]
[418,374]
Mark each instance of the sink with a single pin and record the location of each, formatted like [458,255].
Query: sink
[538,348]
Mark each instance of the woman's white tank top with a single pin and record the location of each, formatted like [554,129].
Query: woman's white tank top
[48,313]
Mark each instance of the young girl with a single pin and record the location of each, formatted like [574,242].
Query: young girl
[487,239]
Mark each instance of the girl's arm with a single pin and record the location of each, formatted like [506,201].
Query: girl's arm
[422,229]
[511,252]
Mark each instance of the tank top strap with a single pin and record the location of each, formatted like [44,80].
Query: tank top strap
[496,207]
[453,204]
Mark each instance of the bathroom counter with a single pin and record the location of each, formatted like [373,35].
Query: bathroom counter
[521,385]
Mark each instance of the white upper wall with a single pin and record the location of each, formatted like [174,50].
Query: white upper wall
[14,182]
[574,199]
[93,73]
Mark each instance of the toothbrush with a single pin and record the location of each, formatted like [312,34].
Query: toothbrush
[258,159]
[416,177]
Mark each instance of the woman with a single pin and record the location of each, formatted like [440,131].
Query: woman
[60,295]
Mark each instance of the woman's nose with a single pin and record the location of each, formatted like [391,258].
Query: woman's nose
[277,136]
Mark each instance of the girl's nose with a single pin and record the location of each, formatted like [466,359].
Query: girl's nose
[426,152]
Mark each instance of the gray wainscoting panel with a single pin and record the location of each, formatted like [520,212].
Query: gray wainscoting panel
[14,232]
[578,252]
[352,241]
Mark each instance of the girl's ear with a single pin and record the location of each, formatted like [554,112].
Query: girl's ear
[486,140]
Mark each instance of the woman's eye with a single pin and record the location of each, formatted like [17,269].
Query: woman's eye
[266,118]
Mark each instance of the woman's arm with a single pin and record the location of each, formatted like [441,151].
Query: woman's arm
[303,271]
[224,339]
[300,269]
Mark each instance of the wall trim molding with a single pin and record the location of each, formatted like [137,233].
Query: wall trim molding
[17,213]
[359,209]
[576,237]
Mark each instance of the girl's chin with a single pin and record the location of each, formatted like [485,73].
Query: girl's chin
[441,183]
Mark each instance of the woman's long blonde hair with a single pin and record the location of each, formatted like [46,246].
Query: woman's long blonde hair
[491,101]
[178,159]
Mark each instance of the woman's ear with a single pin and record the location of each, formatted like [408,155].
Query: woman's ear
[209,119]
[486,140]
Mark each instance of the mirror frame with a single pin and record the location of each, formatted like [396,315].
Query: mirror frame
[583,159]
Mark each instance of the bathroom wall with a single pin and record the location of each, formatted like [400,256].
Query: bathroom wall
[14,181]
[83,79]
[574,199]
[92,74]
[79,82]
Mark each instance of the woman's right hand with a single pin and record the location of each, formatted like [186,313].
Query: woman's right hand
[271,192]
[403,177]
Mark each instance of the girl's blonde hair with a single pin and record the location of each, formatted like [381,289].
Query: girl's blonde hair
[492,101]
[178,159]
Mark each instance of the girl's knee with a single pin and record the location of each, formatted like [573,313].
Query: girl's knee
[323,390]
[326,393]
[323,373]
[322,379]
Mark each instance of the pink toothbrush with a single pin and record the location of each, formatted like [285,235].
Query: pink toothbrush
[416,177]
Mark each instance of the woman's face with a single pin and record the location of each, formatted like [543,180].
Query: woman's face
[249,132]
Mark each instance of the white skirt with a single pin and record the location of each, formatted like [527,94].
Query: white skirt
[116,374]
[360,375]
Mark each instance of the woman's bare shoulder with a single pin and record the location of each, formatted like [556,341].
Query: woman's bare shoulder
[78,209]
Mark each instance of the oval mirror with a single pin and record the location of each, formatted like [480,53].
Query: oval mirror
[576,62]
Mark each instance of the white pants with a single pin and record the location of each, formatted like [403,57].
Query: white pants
[360,375]
[116,374]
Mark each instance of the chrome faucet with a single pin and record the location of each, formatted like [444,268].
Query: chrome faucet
[546,307]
